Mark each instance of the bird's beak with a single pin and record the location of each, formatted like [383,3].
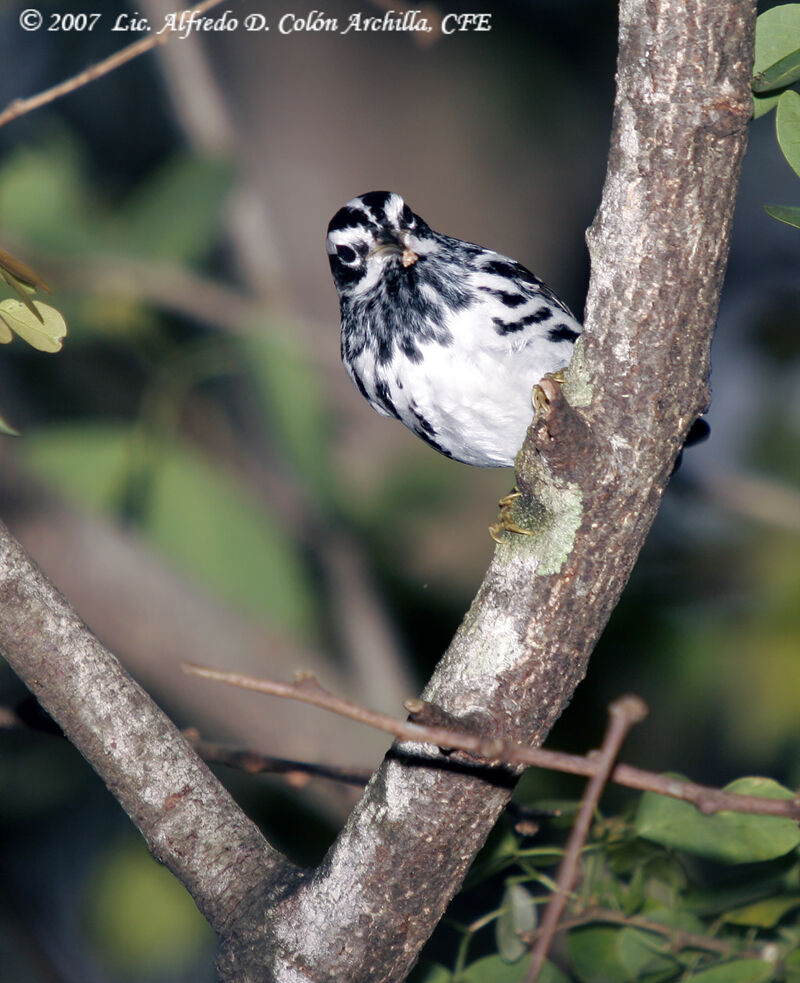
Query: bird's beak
[398,247]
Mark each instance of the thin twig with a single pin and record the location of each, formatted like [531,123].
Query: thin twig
[525,819]
[707,800]
[623,714]
[306,689]
[678,938]
[19,107]
[255,763]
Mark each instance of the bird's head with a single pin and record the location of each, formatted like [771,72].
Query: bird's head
[372,234]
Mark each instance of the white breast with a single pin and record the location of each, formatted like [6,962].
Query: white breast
[473,397]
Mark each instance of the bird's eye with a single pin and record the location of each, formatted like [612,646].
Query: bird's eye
[346,254]
[407,215]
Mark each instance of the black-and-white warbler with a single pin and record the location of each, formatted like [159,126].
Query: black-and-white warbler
[447,336]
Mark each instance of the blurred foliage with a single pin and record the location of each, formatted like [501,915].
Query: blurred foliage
[139,920]
[173,214]
[106,428]
[144,471]
[199,517]
[293,407]
[666,894]
[746,654]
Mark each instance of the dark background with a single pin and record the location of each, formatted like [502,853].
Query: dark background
[199,476]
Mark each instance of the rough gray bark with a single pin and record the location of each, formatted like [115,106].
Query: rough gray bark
[593,471]
[189,820]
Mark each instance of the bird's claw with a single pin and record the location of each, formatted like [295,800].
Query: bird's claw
[543,392]
[505,523]
[542,395]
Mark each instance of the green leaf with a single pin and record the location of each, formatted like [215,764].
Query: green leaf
[517,918]
[784,213]
[430,973]
[763,914]
[787,126]
[643,953]
[646,953]
[293,404]
[595,955]
[175,214]
[777,38]
[784,72]
[43,329]
[729,837]
[492,969]
[763,104]
[631,853]
[738,971]
[208,525]
[633,898]
[740,892]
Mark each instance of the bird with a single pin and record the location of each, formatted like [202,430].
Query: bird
[446,336]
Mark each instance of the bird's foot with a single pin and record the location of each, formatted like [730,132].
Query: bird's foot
[540,397]
[505,521]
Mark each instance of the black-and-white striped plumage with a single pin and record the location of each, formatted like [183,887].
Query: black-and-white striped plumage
[446,336]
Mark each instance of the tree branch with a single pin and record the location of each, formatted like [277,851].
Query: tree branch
[678,938]
[19,107]
[190,822]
